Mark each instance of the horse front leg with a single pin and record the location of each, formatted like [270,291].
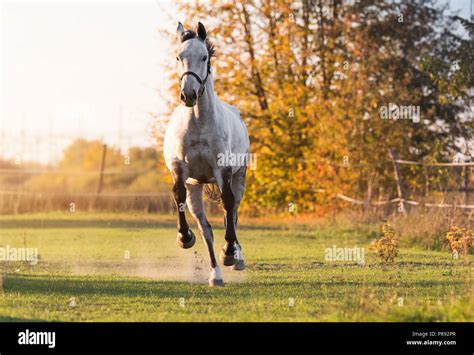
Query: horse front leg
[185,238]
[196,207]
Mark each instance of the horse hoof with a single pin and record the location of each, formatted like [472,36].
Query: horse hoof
[239,265]
[188,242]
[227,260]
[216,282]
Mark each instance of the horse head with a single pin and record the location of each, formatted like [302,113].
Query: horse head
[194,62]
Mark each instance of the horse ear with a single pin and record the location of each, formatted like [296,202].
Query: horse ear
[180,31]
[202,31]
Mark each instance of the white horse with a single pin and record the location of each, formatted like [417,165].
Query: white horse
[201,134]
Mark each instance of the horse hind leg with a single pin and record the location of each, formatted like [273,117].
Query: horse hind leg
[238,187]
[185,238]
[196,207]
[232,191]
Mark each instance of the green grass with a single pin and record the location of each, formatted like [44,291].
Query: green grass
[82,256]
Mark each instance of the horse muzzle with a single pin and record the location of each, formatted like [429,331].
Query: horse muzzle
[189,99]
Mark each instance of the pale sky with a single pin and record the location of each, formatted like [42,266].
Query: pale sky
[84,69]
[72,68]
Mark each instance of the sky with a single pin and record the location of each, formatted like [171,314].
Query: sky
[89,69]
[81,69]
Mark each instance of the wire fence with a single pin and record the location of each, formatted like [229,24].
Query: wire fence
[162,200]
[18,200]
[37,153]
[399,180]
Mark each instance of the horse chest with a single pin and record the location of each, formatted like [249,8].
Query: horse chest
[199,156]
[198,150]
[199,144]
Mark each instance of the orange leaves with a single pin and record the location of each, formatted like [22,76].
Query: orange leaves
[310,86]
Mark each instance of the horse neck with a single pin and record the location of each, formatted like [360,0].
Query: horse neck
[206,104]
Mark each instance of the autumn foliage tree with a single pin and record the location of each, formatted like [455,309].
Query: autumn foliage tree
[311,78]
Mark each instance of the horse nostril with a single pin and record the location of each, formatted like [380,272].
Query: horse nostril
[183,97]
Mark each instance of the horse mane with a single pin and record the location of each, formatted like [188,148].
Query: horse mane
[190,34]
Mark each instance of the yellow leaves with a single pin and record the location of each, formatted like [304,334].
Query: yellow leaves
[386,246]
[311,97]
[460,240]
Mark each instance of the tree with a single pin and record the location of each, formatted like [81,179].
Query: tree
[312,79]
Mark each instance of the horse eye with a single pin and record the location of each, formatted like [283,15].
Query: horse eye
[177,58]
[204,58]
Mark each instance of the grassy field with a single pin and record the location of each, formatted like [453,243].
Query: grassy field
[128,267]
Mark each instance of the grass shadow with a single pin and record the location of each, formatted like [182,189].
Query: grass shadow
[16,319]
[98,286]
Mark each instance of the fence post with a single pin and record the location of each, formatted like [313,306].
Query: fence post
[398,179]
[466,185]
[427,178]
[367,203]
[101,174]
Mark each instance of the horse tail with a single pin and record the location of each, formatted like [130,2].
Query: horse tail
[212,192]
